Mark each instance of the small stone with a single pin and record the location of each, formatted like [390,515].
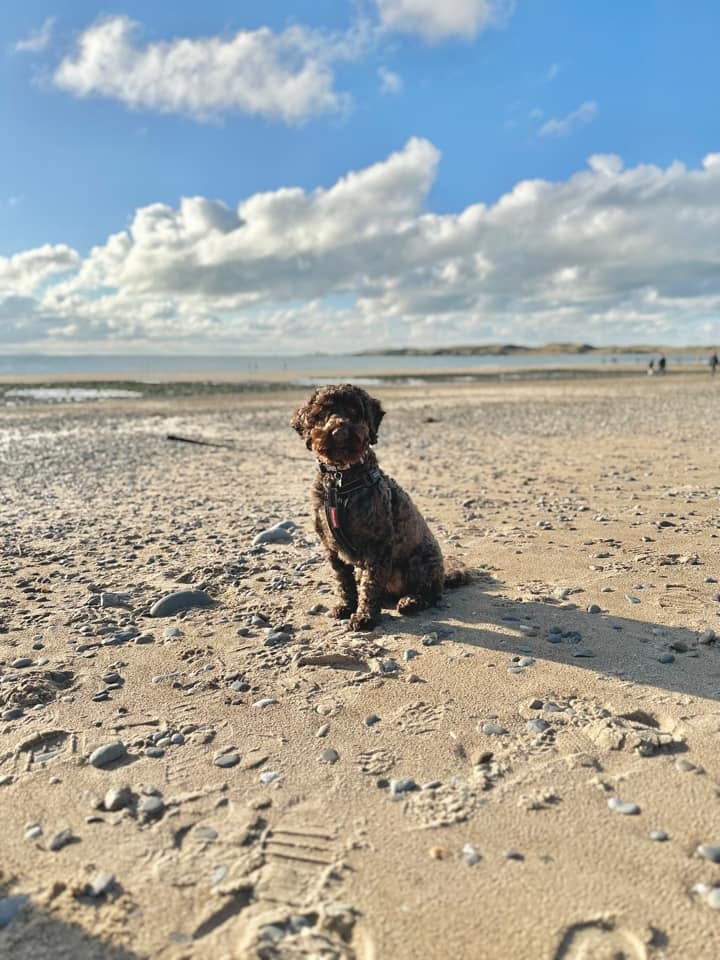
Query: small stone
[265,702]
[14,713]
[400,787]
[623,806]
[155,753]
[429,640]
[666,658]
[108,753]
[22,662]
[632,599]
[171,633]
[269,777]
[493,729]
[594,608]
[707,637]
[329,756]
[117,798]
[323,730]
[33,831]
[60,840]
[470,855]
[537,725]
[205,834]
[225,760]
[100,884]
[276,534]
[583,653]
[709,851]
[389,666]
[659,835]
[180,600]
[151,807]
[372,720]
[526,661]
[512,854]
[713,898]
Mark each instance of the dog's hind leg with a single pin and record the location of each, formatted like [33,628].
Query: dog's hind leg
[347,587]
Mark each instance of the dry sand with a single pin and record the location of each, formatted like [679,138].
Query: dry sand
[577,668]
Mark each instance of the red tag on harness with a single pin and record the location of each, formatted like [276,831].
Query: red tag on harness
[334,517]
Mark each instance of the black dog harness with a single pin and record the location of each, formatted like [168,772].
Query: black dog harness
[339,493]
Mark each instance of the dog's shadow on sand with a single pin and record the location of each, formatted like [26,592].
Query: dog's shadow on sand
[481,617]
[28,932]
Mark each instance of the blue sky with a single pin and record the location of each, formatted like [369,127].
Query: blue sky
[380,171]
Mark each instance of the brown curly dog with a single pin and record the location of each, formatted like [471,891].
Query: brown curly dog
[376,541]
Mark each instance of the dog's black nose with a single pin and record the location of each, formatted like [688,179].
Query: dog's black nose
[340,432]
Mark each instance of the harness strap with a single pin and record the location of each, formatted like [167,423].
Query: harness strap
[338,495]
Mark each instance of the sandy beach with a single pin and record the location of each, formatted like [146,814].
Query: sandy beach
[529,771]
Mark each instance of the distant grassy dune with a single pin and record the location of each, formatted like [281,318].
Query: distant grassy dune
[510,349]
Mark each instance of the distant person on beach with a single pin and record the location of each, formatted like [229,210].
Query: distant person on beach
[651,368]
[661,364]
[713,363]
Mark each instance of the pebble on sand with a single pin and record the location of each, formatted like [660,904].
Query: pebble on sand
[276,534]
[471,856]
[493,729]
[623,806]
[709,851]
[180,600]
[108,753]
[659,835]
[100,884]
[230,759]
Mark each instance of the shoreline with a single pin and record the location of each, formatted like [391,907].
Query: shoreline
[232,382]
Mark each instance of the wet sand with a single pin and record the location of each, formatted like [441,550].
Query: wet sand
[489,779]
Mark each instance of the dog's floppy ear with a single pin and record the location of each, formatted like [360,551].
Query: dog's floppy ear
[300,423]
[375,415]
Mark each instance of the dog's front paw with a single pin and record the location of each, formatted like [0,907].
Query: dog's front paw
[362,621]
[343,611]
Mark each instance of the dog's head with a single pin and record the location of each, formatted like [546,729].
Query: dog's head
[339,423]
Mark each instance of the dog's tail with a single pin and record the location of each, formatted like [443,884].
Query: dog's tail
[456,575]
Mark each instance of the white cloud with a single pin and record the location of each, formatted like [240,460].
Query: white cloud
[286,75]
[23,272]
[610,254]
[38,40]
[440,19]
[560,127]
[390,82]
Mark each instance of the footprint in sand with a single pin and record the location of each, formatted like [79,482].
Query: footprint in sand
[375,762]
[600,940]
[440,807]
[418,718]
